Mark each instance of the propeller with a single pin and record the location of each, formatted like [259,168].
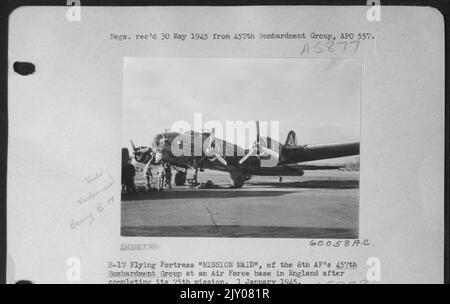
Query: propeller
[140,153]
[213,150]
[258,147]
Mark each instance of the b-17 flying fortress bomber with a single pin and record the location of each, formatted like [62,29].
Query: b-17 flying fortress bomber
[267,157]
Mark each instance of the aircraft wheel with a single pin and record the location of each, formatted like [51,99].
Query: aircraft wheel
[180,179]
[237,178]
[238,185]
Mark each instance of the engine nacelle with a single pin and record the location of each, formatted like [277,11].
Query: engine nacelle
[143,157]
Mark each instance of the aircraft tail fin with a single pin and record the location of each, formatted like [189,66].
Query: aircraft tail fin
[291,139]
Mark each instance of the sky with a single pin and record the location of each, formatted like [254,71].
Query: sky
[317,98]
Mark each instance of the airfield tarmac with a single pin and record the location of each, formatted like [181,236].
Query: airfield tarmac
[319,204]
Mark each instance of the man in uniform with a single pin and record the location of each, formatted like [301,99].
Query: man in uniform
[129,172]
[161,178]
[149,176]
[168,175]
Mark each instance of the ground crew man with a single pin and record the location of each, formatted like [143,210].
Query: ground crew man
[128,174]
[161,174]
[149,176]
[168,175]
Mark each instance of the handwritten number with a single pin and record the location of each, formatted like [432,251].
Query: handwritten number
[345,45]
[320,50]
[357,45]
[330,45]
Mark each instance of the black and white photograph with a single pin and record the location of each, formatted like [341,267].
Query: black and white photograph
[241,147]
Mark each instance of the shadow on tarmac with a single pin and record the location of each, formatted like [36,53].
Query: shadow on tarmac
[203,193]
[312,184]
[241,231]
[186,193]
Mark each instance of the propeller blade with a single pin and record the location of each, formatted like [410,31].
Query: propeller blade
[271,152]
[151,159]
[132,145]
[250,153]
[212,138]
[220,159]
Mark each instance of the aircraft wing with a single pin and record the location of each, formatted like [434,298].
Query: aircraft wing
[317,152]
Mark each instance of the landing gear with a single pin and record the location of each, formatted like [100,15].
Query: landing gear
[237,178]
[180,178]
[192,182]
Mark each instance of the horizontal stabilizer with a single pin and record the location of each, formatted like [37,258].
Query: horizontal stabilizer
[299,154]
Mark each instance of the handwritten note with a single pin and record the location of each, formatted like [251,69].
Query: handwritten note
[95,200]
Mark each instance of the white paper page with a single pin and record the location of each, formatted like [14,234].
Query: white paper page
[71,117]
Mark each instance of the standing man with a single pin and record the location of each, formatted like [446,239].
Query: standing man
[168,175]
[161,178]
[129,174]
[149,176]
